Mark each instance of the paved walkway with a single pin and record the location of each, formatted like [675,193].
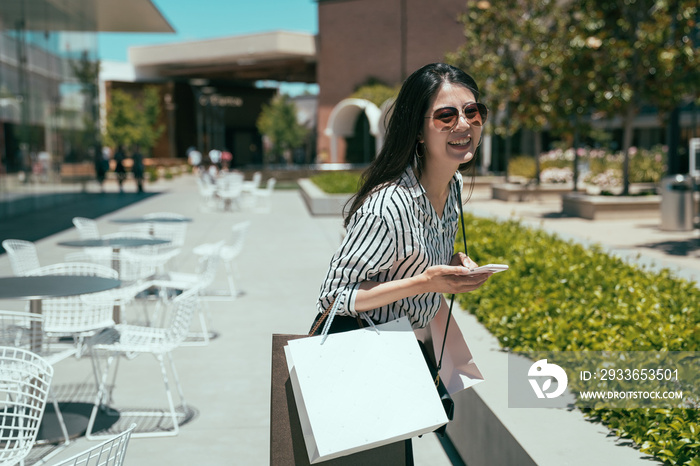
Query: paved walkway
[280,271]
[227,382]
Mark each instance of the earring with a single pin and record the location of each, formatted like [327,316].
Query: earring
[418,156]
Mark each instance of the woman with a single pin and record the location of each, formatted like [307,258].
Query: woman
[397,257]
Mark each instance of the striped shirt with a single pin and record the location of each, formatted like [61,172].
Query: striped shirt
[395,234]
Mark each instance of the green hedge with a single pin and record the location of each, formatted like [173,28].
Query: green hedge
[337,182]
[561,296]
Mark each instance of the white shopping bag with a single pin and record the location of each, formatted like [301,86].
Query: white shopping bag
[458,371]
[362,389]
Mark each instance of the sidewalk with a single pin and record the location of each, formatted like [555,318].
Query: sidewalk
[280,271]
[228,382]
[639,240]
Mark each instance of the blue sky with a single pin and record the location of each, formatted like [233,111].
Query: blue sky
[203,19]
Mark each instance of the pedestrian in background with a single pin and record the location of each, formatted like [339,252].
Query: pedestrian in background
[119,168]
[101,164]
[137,168]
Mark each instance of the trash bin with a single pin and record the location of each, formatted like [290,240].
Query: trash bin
[677,210]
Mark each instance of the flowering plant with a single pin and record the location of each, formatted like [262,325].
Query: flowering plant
[603,168]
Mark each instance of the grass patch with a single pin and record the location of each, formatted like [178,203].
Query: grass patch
[561,296]
[337,182]
[286,185]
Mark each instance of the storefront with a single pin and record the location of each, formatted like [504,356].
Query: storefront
[49,108]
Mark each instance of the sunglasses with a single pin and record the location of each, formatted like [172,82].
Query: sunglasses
[446,117]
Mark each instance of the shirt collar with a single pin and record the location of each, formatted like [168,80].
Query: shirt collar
[408,179]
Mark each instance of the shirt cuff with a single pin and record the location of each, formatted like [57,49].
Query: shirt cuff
[348,306]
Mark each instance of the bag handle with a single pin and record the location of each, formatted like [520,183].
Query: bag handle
[452,300]
[323,317]
[329,314]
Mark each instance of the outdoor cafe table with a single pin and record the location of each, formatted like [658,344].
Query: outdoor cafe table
[35,289]
[116,244]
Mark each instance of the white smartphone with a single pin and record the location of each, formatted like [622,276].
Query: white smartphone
[491,268]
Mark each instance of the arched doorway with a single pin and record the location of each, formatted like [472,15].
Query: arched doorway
[356,120]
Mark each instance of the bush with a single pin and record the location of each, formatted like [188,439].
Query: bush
[151,173]
[567,297]
[337,182]
[522,165]
[604,169]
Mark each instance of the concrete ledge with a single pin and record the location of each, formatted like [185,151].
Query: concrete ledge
[482,181]
[511,192]
[487,432]
[610,207]
[320,202]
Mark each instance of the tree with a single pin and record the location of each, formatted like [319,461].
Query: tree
[375,91]
[132,121]
[87,72]
[557,63]
[278,122]
[508,50]
[647,52]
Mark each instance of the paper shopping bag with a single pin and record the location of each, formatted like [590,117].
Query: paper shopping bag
[362,389]
[458,371]
[286,440]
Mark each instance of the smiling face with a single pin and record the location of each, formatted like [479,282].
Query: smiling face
[444,147]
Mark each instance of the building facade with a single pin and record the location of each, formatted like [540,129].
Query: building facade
[382,40]
[49,105]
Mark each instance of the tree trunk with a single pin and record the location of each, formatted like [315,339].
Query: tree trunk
[538,151]
[508,141]
[628,133]
[575,174]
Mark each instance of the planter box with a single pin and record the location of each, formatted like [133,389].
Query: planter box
[610,207]
[319,202]
[511,192]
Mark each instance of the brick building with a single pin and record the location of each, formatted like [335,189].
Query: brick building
[381,39]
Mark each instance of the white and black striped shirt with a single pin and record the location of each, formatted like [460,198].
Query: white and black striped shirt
[395,234]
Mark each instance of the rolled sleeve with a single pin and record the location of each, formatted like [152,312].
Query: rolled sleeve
[368,248]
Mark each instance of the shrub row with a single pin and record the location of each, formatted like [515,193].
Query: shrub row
[561,296]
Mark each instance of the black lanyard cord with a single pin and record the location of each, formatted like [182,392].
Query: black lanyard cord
[452,300]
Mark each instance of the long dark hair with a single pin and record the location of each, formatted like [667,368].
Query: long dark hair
[404,125]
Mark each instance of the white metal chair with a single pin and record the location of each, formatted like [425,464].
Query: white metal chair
[263,196]
[72,316]
[151,256]
[253,184]
[248,191]
[207,190]
[228,252]
[108,453]
[22,254]
[229,188]
[25,379]
[160,342]
[199,281]
[23,330]
[173,231]
[87,228]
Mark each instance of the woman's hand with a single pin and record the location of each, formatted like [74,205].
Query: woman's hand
[462,259]
[452,279]
[456,277]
